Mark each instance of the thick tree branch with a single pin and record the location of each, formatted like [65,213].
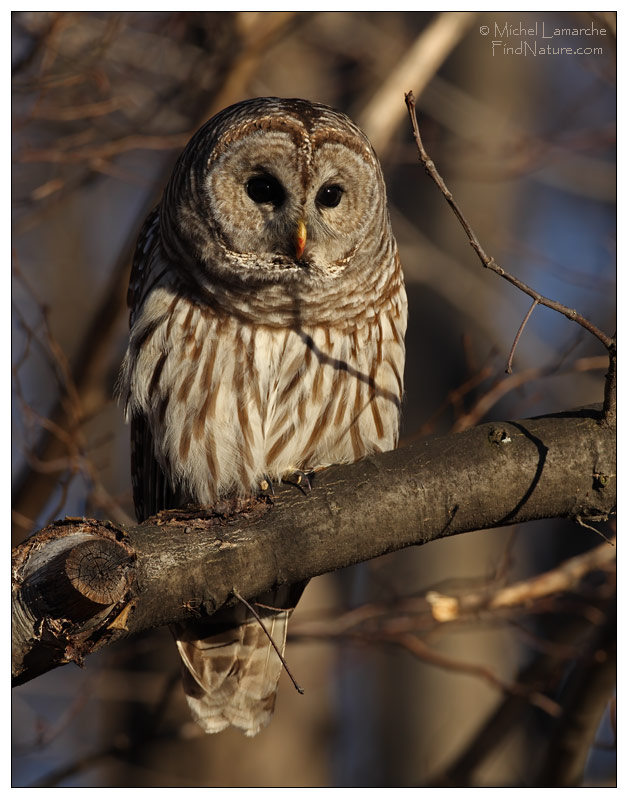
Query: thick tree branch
[80,584]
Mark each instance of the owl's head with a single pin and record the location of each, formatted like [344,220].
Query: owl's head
[279,190]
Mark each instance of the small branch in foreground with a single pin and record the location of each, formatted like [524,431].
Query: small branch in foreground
[487,260]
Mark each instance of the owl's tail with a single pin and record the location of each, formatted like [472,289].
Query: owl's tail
[230,668]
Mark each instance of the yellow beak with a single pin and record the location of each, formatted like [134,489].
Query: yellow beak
[300,239]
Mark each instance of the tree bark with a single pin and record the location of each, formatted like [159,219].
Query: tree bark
[80,584]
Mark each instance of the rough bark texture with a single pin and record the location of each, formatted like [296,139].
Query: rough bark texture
[80,584]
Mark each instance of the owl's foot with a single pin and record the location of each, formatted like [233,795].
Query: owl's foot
[266,485]
[302,479]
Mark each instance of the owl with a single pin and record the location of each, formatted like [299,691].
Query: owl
[268,315]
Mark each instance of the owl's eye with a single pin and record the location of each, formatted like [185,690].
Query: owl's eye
[265,189]
[329,196]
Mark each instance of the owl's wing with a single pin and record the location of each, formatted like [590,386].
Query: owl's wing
[145,271]
[152,490]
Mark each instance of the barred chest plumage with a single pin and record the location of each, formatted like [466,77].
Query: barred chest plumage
[230,403]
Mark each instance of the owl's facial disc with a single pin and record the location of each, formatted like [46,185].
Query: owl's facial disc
[283,201]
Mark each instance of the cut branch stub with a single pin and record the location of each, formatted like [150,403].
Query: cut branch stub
[83,579]
[97,569]
[66,592]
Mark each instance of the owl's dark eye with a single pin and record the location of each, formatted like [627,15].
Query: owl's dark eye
[265,189]
[329,196]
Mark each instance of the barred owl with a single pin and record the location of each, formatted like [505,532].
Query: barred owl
[268,315]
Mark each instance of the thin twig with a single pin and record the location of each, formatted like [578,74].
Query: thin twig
[518,336]
[270,638]
[610,390]
[102,150]
[414,645]
[454,399]
[487,260]
[73,458]
[582,523]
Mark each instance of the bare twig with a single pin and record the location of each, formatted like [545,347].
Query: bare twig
[496,391]
[454,399]
[103,150]
[487,260]
[507,384]
[72,457]
[418,648]
[270,638]
[518,336]
[581,523]
[83,111]
[610,389]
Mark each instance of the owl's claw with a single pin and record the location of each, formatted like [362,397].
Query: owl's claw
[266,485]
[298,477]
[301,479]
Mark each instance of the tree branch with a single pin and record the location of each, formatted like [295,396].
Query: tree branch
[588,689]
[80,584]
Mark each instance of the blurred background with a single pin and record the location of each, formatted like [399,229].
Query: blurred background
[102,105]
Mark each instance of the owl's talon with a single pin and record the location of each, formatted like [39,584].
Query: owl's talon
[301,479]
[266,484]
